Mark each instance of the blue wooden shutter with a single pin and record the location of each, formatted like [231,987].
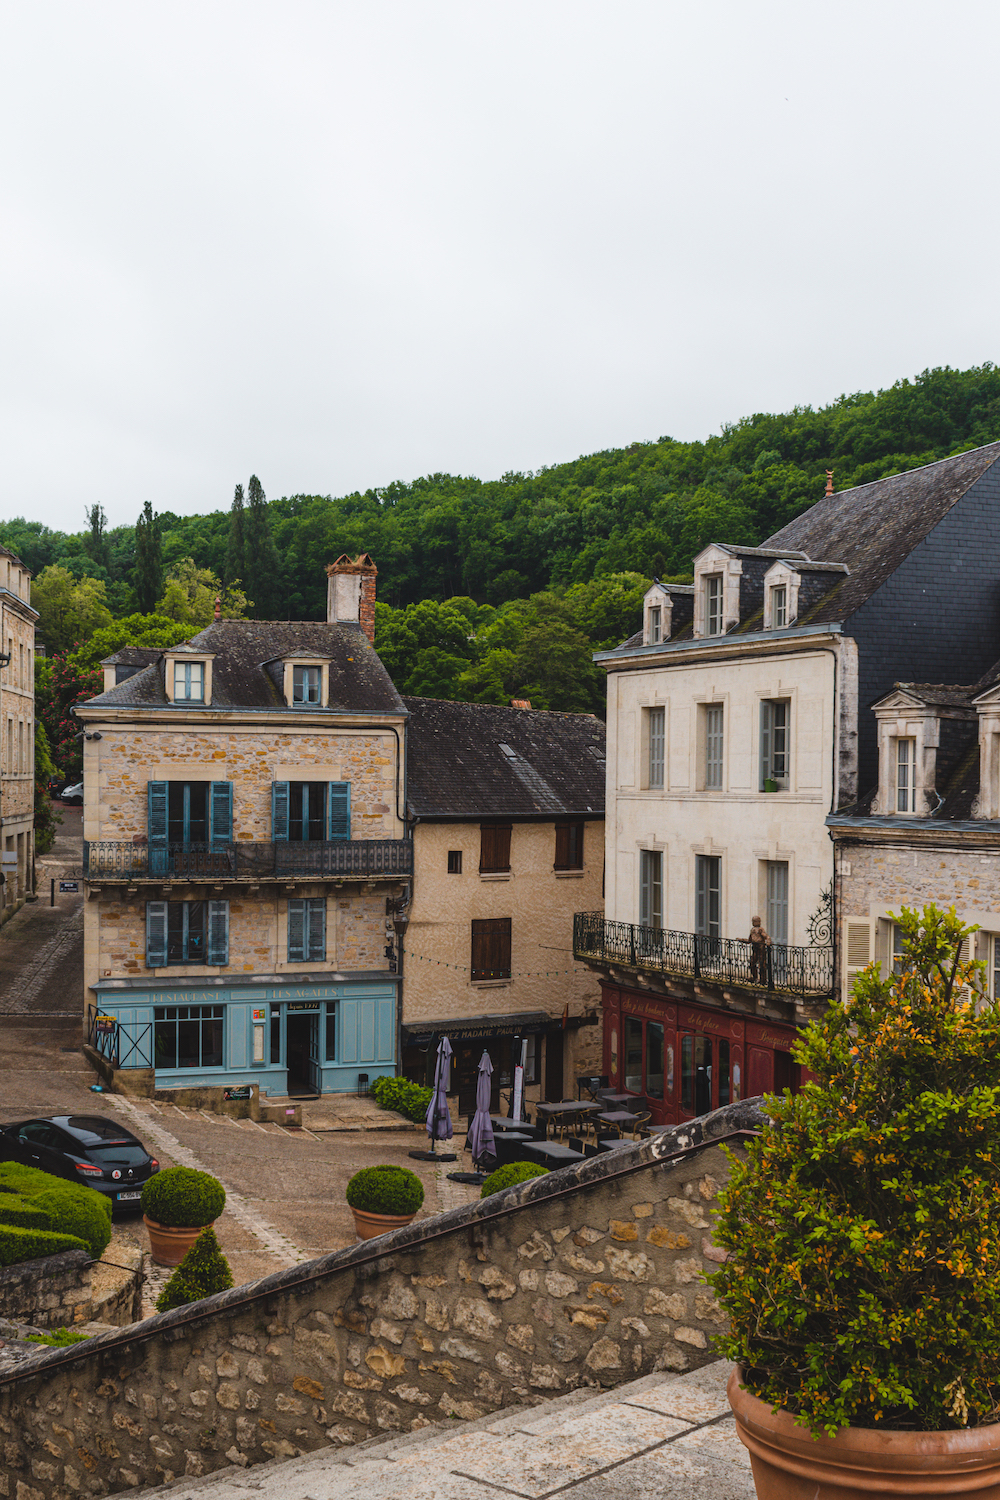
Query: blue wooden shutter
[317,929]
[218,933]
[222,813]
[340,809]
[156,934]
[156,826]
[279,811]
[296,932]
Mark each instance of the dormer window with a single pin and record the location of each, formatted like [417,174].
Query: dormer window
[906,775]
[189,682]
[713,604]
[307,685]
[779,607]
[655,631]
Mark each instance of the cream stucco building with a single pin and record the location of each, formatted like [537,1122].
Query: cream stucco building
[17,733]
[506,809]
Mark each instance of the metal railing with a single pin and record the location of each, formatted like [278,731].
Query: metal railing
[781,967]
[128,1046]
[363,859]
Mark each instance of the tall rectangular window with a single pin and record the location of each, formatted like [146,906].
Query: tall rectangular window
[187,812]
[306,684]
[774,724]
[713,745]
[494,847]
[306,811]
[708,895]
[633,1054]
[491,948]
[189,681]
[651,888]
[188,1036]
[713,604]
[776,917]
[779,607]
[306,930]
[906,775]
[187,932]
[654,626]
[654,1059]
[656,718]
[569,846]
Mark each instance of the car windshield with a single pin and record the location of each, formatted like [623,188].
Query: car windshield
[130,1155]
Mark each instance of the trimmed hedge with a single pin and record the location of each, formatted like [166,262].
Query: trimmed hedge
[510,1175]
[385,1190]
[58,1338]
[203,1272]
[408,1099]
[19,1211]
[79,1211]
[17,1244]
[183,1198]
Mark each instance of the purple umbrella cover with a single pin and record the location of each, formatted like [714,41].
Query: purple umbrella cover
[438,1118]
[480,1138]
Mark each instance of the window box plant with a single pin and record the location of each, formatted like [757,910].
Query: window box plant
[863,1231]
[383,1198]
[176,1206]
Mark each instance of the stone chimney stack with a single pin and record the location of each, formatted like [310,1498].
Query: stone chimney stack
[350,592]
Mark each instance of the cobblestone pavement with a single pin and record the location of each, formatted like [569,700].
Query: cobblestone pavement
[41,947]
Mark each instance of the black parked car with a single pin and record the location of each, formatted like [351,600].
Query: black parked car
[84,1148]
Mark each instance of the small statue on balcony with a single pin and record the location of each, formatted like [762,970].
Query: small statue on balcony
[759,943]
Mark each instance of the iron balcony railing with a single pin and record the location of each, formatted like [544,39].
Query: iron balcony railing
[360,859]
[128,1046]
[782,968]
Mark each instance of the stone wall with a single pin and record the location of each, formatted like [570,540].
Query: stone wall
[53,1292]
[587,1277]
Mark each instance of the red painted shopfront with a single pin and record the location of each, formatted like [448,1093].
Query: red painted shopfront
[687,1058]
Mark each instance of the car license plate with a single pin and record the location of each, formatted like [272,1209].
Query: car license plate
[129,1197]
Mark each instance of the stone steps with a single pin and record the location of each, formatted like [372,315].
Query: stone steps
[665,1436]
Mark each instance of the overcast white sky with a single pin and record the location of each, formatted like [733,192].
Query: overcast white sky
[340,244]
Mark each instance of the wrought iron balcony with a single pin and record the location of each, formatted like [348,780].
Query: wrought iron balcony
[780,968]
[344,859]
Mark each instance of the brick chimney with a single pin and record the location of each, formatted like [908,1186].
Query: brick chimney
[350,592]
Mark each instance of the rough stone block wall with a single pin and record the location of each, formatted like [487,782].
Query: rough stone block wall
[587,1277]
[53,1292]
[884,878]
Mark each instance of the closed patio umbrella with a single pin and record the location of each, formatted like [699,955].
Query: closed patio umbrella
[480,1137]
[438,1119]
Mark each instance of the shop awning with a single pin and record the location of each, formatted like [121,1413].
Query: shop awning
[467,1028]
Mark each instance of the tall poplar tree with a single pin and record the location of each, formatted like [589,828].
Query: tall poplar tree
[261,582]
[236,552]
[148,560]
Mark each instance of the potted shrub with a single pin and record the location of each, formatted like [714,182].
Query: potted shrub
[176,1206]
[383,1198]
[863,1231]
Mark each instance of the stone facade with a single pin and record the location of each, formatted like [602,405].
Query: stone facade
[56,1291]
[17,733]
[586,1277]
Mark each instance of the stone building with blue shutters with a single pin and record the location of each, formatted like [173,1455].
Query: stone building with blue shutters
[243,834]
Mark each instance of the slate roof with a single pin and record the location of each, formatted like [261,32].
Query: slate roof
[134,656]
[937,694]
[874,527]
[479,760]
[245,673]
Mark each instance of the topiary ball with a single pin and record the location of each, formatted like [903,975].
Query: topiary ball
[182,1198]
[72,1209]
[203,1272]
[510,1175]
[386,1190]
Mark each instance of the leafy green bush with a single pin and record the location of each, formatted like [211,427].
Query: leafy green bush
[203,1272]
[385,1190]
[513,1172]
[182,1198]
[17,1210]
[17,1244]
[406,1098]
[78,1210]
[863,1227]
[58,1338]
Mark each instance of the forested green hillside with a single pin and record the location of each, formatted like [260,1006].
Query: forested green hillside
[489,588]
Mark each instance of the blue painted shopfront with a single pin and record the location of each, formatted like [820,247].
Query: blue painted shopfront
[286,1038]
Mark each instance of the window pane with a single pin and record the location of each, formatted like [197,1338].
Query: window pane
[723,1072]
[651,888]
[779,615]
[165,1044]
[713,745]
[195,932]
[702,1075]
[656,727]
[331,1030]
[633,1055]
[211,1044]
[905,766]
[654,1059]
[654,627]
[275,1035]
[188,1043]
[713,605]
[687,1072]
[175,932]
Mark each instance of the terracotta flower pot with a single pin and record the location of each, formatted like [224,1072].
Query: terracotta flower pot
[790,1464]
[369,1225]
[169,1244]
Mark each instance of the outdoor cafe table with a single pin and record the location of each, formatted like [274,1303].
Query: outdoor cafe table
[547,1112]
[617,1098]
[503,1124]
[619,1117]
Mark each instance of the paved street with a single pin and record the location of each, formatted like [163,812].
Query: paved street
[286,1188]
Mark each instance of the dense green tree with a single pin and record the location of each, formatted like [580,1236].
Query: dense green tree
[148,559]
[236,551]
[46,818]
[95,543]
[262,572]
[59,684]
[133,630]
[69,609]
[190,596]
